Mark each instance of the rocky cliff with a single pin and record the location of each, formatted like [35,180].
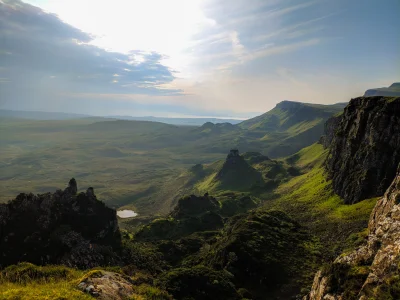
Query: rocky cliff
[365,149]
[65,227]
[373,270]
[330,131]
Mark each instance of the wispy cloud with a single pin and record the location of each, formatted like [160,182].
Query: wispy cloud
[291,29]
[268,51]
[270,13]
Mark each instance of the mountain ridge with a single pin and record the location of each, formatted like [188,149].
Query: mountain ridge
[392,91]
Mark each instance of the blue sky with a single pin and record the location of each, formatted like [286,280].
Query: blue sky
[233,58]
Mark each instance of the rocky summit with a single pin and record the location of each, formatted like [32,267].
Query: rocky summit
[74,229]
[371,271]
[236,173]
[365,148]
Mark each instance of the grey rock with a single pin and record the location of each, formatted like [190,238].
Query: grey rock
[365,150]
[380,254]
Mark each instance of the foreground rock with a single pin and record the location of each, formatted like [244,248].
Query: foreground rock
[67,228]
[365,149]
[372,271]
[106,286]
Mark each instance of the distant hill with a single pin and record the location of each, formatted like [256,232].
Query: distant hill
[179,121]
[290,126]
[391,91]
[41,115]
[288,115]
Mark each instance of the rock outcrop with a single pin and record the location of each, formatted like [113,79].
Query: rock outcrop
[65,227]
[237,174]
[365,149]
[373,270]
[105,285]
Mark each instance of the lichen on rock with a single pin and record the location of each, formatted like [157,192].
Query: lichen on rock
[371,271]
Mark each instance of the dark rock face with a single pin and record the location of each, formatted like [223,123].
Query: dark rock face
[365,150]
[330,131]
[73,229]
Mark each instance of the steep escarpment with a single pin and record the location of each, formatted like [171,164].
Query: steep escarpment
[330,131]
[365,149]
[70,228]
[372,271]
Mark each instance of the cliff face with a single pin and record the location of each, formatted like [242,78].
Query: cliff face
[365,149]
[65,227]
[372,271]
[330,131]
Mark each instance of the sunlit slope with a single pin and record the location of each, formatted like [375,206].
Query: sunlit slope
[290,126]
[310,200]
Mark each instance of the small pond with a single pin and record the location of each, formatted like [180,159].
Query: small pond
[126,213]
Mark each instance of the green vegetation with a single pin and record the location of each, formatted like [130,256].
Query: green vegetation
[136,165]
[290,125]
[242,244]
[310,200]
[198,282]
[263,250]
[271,225]
[30,282]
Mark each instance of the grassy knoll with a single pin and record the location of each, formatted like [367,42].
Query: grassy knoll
[26,281]
[30,282]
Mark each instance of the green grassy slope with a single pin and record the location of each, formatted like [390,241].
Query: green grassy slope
[26,281]
[291,126]
[310,200]
[298,186]
[253,173]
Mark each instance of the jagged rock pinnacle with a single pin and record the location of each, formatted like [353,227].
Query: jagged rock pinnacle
[73,186]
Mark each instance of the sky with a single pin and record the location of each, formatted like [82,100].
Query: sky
[176,58]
